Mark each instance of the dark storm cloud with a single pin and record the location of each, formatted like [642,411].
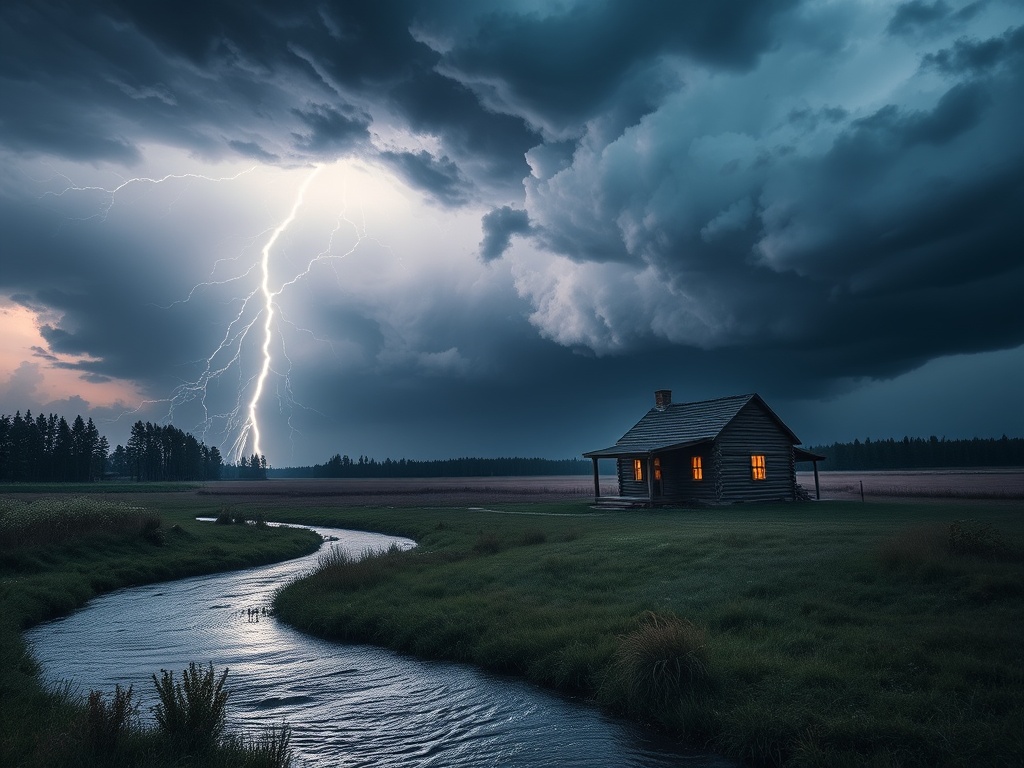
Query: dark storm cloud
[916,14]
[877,137]
[438,106]
[253,150]
[918,17]
[96,280]
[499,225]
[331,133]
[563,68]
[977,57]
[95,378]
[92,82]
[437,175]
[44,354]
[789,192]
[844,251]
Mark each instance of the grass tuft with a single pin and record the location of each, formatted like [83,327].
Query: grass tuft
[107,725]
[660,665]
[337,569]
[191,714]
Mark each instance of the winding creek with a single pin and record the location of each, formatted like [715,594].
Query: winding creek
[347,705]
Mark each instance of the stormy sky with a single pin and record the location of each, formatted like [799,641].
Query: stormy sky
[437,229]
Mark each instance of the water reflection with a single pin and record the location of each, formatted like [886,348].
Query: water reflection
[347,705]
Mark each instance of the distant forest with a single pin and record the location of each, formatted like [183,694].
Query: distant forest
[46,449]
[49,449]
[343,466]
[920,453]
[165,453]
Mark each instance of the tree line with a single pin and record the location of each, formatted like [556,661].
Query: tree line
[921,453]
[363,466]
[46,449]
[252,468]
[165,453]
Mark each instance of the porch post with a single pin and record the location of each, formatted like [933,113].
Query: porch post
[817,487]
[597,481]
[650,480]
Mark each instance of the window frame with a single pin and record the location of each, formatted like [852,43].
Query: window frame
[697,468]
[638,470]
[758,467]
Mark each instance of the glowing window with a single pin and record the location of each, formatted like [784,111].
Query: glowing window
[697,466]
[657,468]
[638,470]
[757,467]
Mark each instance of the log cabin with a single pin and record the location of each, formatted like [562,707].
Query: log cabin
[727,450]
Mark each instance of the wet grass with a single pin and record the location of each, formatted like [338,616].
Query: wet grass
[814,634]
[49,572]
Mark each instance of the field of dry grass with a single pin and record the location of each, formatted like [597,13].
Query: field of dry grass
[454,491]
[1000,483]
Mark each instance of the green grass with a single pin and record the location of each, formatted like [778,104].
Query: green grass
[62,552]
[811,634]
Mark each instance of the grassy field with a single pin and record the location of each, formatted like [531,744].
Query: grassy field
[885,633]
[59,551]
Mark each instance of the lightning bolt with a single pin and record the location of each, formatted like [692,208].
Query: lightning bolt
[111,193]
[259,314]
[268,315]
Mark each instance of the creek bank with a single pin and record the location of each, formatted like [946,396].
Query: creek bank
[368,704]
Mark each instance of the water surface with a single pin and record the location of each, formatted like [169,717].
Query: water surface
[347,705]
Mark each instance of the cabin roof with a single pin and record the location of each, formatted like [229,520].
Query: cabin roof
[682,425]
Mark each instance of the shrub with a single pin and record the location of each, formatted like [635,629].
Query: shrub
[659,665]
[191,713]
[106,724]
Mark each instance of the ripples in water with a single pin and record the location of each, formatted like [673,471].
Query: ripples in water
[346,705]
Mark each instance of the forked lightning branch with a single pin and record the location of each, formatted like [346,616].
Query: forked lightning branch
[256,324]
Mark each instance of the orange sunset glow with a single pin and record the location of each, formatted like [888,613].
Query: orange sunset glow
[28,367]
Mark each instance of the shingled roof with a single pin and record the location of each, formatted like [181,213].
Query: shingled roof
[679,425]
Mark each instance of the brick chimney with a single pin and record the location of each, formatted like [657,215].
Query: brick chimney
[662,399]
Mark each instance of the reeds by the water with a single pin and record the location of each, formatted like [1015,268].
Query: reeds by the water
[55,519]
[190,724]
[55,554]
